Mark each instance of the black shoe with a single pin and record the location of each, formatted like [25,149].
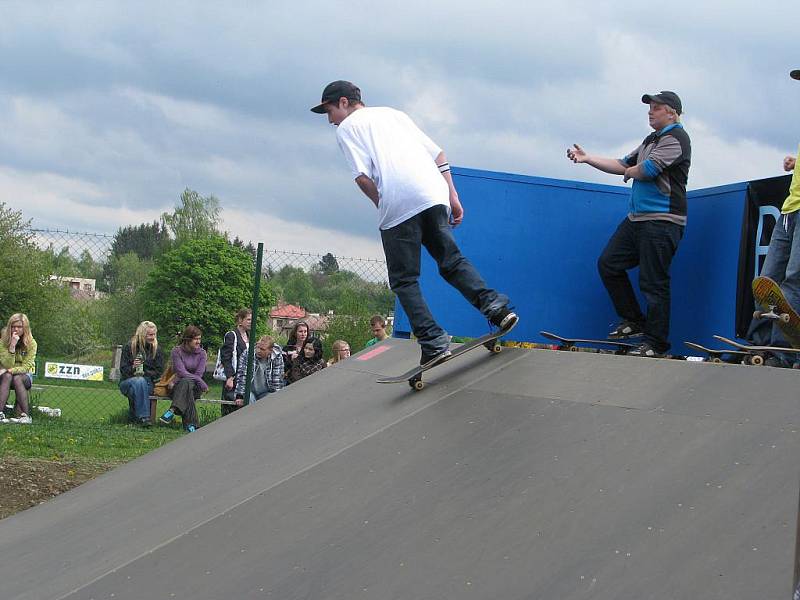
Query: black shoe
[504,318]
[432,359]
[647,351]
[626,329]
[144,422]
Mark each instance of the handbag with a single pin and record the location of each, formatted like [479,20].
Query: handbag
[163,385]
[219,368]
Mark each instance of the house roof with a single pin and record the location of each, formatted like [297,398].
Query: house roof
[288,311]
[317,322]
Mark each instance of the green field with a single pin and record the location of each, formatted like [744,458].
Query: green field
[93,424]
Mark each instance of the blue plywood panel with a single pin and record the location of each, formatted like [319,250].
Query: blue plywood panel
[538,240]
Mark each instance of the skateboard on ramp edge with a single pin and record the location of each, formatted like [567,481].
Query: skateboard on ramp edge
[717,355]
[572,343]
[757,352]
[414,376]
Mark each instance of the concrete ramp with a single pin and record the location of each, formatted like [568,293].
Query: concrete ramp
[526,475]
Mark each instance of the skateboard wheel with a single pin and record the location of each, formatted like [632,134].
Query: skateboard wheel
[418,384]
[573,348]
[496,348]
[716,360]
[785,317]
[757,360]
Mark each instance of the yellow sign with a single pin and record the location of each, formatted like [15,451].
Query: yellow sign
[69,371]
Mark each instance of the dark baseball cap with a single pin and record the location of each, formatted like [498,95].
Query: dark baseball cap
[664,97]
[795,74]
[335,90]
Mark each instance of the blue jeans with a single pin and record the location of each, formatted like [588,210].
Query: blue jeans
[254,398]
[783,266]
[138,390]
[402,246]
[650,245]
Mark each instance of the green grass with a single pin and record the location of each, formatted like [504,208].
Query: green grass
[57,439]
[93,425]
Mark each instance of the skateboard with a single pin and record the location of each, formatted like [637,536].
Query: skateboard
[717,356]
[768,294]
[757,352]
[414,376]
[572,343]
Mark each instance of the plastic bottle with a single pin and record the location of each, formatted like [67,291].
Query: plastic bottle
[140,369]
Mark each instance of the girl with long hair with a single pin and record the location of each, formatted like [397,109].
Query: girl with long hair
[17,362]
[310,361]
[234,344]
[140,366]
[189,364]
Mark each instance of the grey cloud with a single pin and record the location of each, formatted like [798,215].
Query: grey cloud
[504,87]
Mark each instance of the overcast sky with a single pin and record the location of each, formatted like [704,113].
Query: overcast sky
[109,110]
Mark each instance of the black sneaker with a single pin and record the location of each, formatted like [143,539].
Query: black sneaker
[504,318]
[432,359]
[647,351]
[626,329]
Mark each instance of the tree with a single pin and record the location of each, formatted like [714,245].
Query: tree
[128,272]
[25,284]
[147,240]
[62,263]
[202,282]
[295,286]
[196,217]
[88,267]
[328,264]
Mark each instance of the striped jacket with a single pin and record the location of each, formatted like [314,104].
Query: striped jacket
[267,373]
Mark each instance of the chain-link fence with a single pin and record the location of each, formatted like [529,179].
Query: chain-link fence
[99,279]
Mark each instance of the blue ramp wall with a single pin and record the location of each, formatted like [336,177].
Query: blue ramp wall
[538,240]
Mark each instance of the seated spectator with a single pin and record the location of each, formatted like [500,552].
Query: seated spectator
[267,371]
[17,362]
[234,344]
[378,325]
[340,350]
[189,363]
[310,361]
[294,345]
[140,366]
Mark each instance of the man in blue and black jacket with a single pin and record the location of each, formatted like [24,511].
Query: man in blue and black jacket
[648,237]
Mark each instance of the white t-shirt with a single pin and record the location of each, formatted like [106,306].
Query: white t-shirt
[385,145]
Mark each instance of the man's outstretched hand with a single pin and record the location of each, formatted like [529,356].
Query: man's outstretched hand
[576,154]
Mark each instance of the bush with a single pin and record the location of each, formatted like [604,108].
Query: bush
[202,282]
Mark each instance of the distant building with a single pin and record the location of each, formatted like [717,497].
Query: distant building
[282,318]
[79,287]
[318,323]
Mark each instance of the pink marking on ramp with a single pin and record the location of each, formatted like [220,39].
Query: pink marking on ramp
[373,353]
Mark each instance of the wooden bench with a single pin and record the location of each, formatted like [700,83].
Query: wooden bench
[202,400]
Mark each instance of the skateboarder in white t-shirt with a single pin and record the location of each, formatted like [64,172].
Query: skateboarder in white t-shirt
[407,177]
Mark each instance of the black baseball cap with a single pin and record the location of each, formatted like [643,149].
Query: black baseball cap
[335,90]
[795,74]
[664,97]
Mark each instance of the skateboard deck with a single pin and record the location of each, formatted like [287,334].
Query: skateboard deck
[572,343]
[768,294]
[757,352]
[717,356]
[414,376]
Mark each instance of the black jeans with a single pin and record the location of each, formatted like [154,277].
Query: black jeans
[650,245]
[402,245]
